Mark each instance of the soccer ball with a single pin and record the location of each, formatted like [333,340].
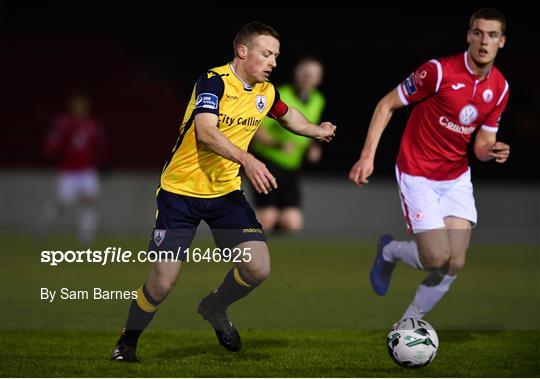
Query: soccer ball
[412,343]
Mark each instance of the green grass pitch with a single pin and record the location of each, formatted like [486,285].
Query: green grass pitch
[315,316]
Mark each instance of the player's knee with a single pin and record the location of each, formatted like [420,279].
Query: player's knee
[435,259]
[267,223]
[455,265]
[268,217]
[256,277]
[260,276]
[291,220]
[161,288]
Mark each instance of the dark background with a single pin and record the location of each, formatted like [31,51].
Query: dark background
[138,63]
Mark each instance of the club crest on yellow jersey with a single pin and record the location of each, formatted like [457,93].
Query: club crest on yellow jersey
[260,102]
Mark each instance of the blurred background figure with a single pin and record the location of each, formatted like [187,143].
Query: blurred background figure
[76,144]
[283,152]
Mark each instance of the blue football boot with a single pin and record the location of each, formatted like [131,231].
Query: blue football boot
[381,271]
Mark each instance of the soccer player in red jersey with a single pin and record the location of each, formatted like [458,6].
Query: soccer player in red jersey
[453,97]
[77,144]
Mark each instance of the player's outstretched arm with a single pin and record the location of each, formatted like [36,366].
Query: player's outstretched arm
[295,121]
[363,168]
[487,148]
[208,134]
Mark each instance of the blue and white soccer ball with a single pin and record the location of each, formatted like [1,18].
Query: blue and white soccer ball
[412,343]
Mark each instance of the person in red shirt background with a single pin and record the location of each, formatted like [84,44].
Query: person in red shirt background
[454,97]
[77,145]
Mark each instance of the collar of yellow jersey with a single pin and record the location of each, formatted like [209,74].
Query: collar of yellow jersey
[247,87]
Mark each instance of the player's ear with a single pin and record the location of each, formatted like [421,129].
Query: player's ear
[502,42]
[469,36]
[242,51]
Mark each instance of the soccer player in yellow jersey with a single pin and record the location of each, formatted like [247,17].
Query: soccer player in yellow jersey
[200,182]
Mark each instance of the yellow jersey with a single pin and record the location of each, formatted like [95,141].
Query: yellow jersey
[195,170]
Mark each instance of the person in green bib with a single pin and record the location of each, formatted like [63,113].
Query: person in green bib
[283,152]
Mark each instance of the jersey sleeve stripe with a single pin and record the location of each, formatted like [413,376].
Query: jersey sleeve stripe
[504,93]
[491,129]
[183,130]
[439,73]
[402,95]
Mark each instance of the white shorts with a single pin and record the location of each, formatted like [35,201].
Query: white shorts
[427,202]
[71,185]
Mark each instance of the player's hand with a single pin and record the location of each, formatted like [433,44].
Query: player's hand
[361,171]
[500,151]
[325,132]
[263,181]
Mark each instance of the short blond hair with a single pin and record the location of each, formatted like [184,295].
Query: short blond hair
[251,29]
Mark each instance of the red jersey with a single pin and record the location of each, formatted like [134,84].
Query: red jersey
[451,104]
[76,144]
